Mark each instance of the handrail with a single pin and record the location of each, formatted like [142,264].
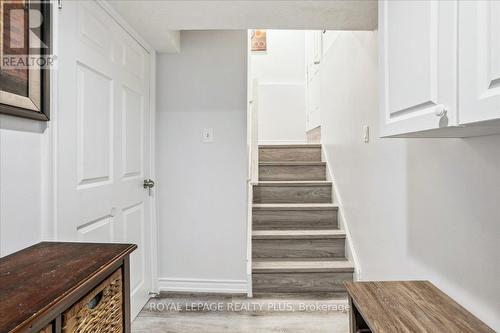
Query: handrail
[253,172]
[254,133]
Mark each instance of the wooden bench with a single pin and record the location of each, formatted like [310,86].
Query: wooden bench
[407,306]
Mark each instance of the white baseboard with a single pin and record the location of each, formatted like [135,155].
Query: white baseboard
[203,285]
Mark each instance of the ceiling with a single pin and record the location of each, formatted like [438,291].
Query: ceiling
[159,21]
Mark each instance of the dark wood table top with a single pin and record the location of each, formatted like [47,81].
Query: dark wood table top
[36,278]
[411,306]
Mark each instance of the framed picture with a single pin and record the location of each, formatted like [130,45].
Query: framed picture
[25,56]
[259,40]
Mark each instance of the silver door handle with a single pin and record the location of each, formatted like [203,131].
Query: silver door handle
[148,184]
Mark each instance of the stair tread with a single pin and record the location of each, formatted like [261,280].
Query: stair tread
[299,145]
[294,182]
[295,206]
[298,234]
[323,297]
[292,163]
[267,266]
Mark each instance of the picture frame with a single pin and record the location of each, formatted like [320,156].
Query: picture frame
[259,41]
[25,52]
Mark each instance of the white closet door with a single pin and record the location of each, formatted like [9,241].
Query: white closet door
[479,60]
[314,54]
[417,58]
[103,138]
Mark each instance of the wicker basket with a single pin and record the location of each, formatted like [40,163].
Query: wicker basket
[100,311]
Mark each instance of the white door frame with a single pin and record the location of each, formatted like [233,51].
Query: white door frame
[50,216]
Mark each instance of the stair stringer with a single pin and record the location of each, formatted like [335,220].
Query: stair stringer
[350,250]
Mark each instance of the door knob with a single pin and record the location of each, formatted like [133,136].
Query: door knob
[148,184]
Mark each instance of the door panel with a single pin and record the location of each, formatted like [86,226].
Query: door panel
[417,64]
[94,32]
[314,41]
[314,53]
[100,230]
[133,218]
[133,124]
[479,66]
[94,128]
[133,60]
[313,103]
[412,66]
[103,138]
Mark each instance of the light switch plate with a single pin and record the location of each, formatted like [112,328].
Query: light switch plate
[208,135]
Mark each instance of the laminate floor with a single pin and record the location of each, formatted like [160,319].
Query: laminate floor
[186,313]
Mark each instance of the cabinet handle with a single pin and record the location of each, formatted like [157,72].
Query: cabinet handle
[440,110]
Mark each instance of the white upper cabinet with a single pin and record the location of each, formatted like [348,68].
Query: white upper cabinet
[439,67]
[479,61]
[417,64]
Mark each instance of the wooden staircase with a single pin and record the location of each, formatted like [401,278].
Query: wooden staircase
[297,246]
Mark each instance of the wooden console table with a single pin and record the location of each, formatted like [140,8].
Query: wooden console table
[57,287]
[407,306]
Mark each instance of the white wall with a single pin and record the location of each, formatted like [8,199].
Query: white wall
[284,60]
[316,48]
[202,186]
[416,208]
[282,77]
[22,192]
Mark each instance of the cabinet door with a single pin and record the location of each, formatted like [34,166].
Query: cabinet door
[417,65]
[479,61]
